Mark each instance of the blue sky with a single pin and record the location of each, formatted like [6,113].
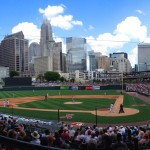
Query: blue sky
[108,25]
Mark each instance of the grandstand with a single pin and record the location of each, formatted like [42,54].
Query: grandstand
[138,82]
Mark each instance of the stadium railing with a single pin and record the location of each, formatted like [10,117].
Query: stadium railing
[21,145]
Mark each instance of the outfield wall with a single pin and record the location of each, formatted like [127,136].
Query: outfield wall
[107,87]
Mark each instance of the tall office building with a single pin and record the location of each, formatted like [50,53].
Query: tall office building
[57,56]
[63,62]
[144,57]
[93,60]
[119,62]
[42,65]
[120,65]
[76,54]
[119,55]
[34,51]
[46,37]
[14,52]
[103,62]
[51,52]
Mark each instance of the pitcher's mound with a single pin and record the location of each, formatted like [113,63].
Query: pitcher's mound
[73,103]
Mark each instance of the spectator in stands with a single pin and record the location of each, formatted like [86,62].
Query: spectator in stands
[65,135]
[3,130]
[14,121]
[91,146]
[76,136]
[71,132]
[44,141]
[35,138]
[21,135]
[12,134]
[57,141]
[9,124]
[107,142]
[50,138]
[144,141]
[119,144]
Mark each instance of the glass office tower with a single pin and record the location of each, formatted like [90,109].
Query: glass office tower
[144,56]
[76,54]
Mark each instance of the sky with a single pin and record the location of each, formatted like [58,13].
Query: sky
[108,25]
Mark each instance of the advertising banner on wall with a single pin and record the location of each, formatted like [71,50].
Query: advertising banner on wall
[74,87]
[89,87]
[96,87]
[81,87]
[64,88]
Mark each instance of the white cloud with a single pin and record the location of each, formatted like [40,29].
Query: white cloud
[132,56]
[62,22]
[91,27]
[126,31]
[140,11]
[77,23]
[132,28]
[55,15]
[52,11]
[147,40]
[30,31]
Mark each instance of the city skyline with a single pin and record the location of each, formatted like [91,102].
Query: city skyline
[108,26]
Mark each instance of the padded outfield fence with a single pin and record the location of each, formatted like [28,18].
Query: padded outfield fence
[21,88]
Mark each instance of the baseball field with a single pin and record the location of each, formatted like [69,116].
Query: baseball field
[88,106]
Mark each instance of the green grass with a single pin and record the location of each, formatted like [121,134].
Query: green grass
[9,94]
[88,104]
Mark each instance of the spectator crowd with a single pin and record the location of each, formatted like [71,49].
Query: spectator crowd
[67,136]
[142,88]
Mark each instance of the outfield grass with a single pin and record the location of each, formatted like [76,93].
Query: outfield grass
[88,104]
[9,94]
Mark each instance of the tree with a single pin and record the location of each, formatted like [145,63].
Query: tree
[62,79]
[51,76]
[72,80]
[14,73]
[40,77]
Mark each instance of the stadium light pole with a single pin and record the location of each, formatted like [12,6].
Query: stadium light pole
[122,76]
[122,82]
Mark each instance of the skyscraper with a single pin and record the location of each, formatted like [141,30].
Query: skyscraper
[144,56]
[14,52]
[103,62]
[76,54]
[34,51]
[46,37]
[51,51]
[57,56]
[93,60]
[119,55]
[63,62]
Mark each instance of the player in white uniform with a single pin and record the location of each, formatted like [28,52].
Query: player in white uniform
[111,107]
